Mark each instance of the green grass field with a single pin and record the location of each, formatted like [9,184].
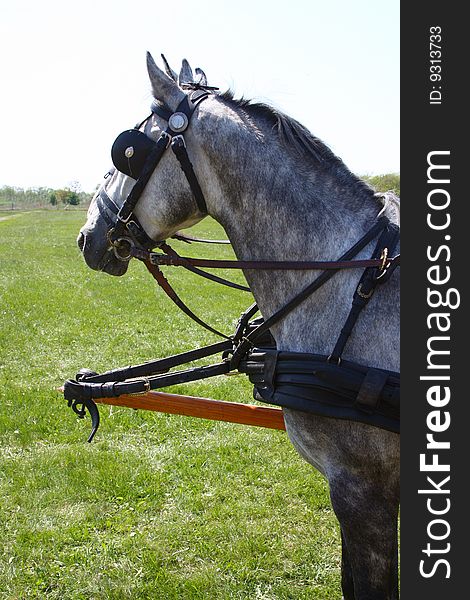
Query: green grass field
[158,506]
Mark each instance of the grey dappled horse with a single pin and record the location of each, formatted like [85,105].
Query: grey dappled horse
[280,194]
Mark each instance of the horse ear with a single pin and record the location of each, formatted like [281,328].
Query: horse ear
[186,73]
[168,69]
[163,87]
[201,78]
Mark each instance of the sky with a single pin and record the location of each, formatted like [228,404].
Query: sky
[73,75]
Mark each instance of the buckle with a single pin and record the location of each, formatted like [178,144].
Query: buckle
[367,295]
[383,258]
[167,135]
[384,265]
[178,139]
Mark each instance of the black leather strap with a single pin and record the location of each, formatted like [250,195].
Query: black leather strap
[371,278]
[371,390]
[156,367]
[160,110]
[311,383]
[149,167]
[178,146]
[109,211]
[139,234]
[187,106]
[83,390]
[107,208]
[189,239]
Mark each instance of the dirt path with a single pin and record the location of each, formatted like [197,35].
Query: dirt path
[14,215]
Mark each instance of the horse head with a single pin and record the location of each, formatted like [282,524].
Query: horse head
[166,203]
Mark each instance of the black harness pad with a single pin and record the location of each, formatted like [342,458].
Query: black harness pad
[130,152]
[310,383]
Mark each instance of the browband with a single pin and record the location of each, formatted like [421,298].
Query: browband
[186,106]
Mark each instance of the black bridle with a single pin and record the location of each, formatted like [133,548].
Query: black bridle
[137,156]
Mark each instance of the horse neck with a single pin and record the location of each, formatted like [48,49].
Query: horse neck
[275,207]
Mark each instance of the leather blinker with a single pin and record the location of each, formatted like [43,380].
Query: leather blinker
[130,152]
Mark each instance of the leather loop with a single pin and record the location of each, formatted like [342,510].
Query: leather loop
[371,389]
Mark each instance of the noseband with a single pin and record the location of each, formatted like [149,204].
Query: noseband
[136,155]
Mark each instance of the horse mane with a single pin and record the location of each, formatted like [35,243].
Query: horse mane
[294,136]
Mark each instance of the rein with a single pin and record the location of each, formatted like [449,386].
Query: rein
[172,259]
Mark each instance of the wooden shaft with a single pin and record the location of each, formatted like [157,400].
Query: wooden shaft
[203,408]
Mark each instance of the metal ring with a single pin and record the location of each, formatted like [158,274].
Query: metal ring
[119,248]
[110,239]
[337,358]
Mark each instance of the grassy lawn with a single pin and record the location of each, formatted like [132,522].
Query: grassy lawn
[159,507]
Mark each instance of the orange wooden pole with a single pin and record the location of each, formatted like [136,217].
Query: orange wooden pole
[203,408]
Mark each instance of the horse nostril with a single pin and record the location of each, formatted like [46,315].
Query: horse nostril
[81,241]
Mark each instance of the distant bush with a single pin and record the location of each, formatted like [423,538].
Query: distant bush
[67,197]
[384,183]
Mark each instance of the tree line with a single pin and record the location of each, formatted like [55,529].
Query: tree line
[18,198]
[13,198]
[384,183]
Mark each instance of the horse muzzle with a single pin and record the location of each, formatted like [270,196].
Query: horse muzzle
[100,257]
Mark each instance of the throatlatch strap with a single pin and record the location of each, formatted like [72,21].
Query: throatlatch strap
[189,239]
